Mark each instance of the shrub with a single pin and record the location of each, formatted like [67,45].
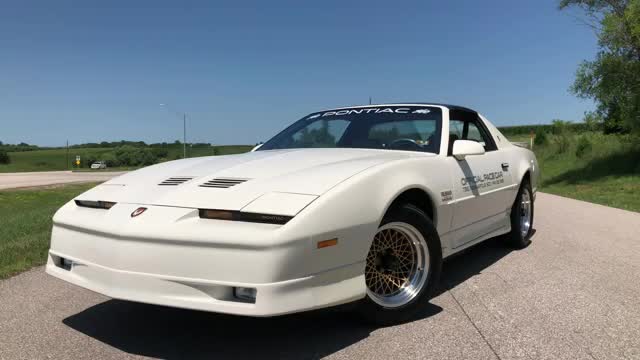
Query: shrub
[110,159]
[593,121]
[562,142]
[131,156]
[124,155]
[145,157]
[4,157]
[160,152]
[583,147]
[541,138]
[559,127]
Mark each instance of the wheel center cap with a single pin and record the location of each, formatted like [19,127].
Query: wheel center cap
[386,261]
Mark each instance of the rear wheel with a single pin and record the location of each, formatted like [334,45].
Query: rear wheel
[402,266]
[521,217]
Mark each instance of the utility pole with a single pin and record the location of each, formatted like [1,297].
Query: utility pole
[184,129]
[67,154]
[369,100]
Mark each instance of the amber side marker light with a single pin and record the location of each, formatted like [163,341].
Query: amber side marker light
[327,243]
[106,205]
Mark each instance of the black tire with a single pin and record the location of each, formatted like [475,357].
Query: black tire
[375,313]
[516,238]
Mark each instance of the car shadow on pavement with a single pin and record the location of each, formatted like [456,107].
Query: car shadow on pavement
[470,262]
[170,333]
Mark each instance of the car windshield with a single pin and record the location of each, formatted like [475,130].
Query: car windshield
[413,128]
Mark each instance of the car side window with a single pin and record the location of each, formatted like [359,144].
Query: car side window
[474,134]
[465,125]
[477,132]
[456,127]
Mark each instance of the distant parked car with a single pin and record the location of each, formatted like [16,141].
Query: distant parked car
[99,165]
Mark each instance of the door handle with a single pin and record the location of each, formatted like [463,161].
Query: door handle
[505,166]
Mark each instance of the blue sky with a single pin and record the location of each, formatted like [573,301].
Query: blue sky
[242,70]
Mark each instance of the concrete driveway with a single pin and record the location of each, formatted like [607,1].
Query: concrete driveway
[32,179]
[573,294]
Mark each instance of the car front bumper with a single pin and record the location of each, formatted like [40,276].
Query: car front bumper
[163,265]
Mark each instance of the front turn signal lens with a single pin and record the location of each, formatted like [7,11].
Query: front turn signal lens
[216,214]
[244,216]
[106,205]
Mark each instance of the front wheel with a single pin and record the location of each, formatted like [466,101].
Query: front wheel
[402,266]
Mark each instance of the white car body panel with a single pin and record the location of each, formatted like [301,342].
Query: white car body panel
[170,256]
[273,171]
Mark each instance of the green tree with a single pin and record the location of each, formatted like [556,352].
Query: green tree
[4,157]
[613,78]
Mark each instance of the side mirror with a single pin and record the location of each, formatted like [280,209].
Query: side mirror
[257,147]
[463,148]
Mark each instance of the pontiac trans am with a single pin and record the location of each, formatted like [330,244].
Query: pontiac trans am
[358,204]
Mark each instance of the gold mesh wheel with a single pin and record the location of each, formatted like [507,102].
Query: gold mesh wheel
[397,265]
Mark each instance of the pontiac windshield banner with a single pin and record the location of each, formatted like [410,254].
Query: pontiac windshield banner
[481,181]
[373,110]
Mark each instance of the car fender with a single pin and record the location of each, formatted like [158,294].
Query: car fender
[524,161]
[352,211]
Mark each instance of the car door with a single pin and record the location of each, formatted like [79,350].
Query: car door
[480,182]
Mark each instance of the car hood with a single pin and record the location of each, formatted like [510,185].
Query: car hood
[297,171]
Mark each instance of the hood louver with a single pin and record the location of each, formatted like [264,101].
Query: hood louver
[223,183]
[175,181]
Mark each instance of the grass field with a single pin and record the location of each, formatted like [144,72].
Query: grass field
[25,220]
[56,159]
[603,169]
[44,160]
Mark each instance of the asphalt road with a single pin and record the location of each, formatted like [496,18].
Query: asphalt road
[33,179]
[574,293]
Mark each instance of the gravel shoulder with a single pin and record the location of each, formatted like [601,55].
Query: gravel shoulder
[46,178]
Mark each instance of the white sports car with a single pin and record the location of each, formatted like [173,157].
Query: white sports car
[352,204]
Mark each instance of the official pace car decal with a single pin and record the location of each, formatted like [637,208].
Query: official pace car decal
[399,110]
[481,181]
